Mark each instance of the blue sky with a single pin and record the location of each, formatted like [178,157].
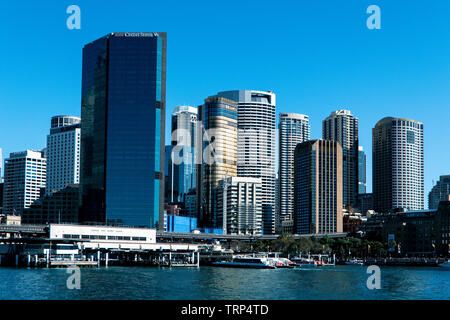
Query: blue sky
[317,57]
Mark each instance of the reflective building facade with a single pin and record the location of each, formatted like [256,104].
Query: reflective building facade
[122,132]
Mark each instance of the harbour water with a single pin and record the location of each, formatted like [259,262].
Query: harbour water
[331,282]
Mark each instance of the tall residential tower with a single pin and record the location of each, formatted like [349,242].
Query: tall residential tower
[398,164]
[342,126]
[293,128]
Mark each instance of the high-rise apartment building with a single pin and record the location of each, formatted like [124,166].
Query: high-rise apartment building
[342,126]
[239,201]
[63,153]
[181,170]
[318,185]
[257,146]
[362,188]
[439,192]
[218,153]
[24,183]
[122,132]
[293,128]
[398,164]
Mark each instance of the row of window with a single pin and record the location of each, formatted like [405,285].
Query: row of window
[99,237]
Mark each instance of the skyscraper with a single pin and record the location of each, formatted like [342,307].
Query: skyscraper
[181,171]
[63,153]
[361,170]
[218,154]
[256,144]
[439,192]
[318,187]
[293,129]
[342,126]
[25,174]
[398,160]
[122,132]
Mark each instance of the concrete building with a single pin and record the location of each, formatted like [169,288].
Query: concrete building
[239,199]
[439,192]
[362,179]
[63,153]
[59,207]
[257,146]
[293,128]
[398,164]
[123,128]
[318,206]
[25,176]
[342,126]
[218,153]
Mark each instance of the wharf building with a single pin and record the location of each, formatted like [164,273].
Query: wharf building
[63,153]
[256,158]
[318,206]
[218,153]
[342,126]
[239,205]
[413,233]
[123,127]
[293,128]
[24,183]
[398,165]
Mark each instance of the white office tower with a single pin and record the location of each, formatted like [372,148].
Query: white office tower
[398,160]
[239,201]
[63,153]
[342,126]
[256,145]
[24,179]
[293,128]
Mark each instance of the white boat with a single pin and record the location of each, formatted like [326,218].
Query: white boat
[355,262]
[247,262]
[445,264]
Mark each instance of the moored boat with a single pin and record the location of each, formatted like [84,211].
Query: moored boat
[355,262]
[247,262]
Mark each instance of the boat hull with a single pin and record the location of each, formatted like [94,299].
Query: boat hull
[242,265]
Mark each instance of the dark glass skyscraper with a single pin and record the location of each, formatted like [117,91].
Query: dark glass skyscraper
[122,141]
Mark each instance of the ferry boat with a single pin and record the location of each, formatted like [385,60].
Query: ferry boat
[247,262]
[283,263]
[355,262]
[445,264]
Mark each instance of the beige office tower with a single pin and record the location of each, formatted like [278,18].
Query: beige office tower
[218,153]
[318,187]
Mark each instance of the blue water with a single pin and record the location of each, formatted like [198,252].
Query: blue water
[339,282]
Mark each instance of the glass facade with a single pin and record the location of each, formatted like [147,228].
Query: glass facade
[123,102]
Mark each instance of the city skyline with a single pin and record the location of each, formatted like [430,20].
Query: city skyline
[381,77]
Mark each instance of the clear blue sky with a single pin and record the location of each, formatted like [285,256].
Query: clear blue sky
[317,56]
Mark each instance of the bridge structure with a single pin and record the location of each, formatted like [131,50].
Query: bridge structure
[31,231]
